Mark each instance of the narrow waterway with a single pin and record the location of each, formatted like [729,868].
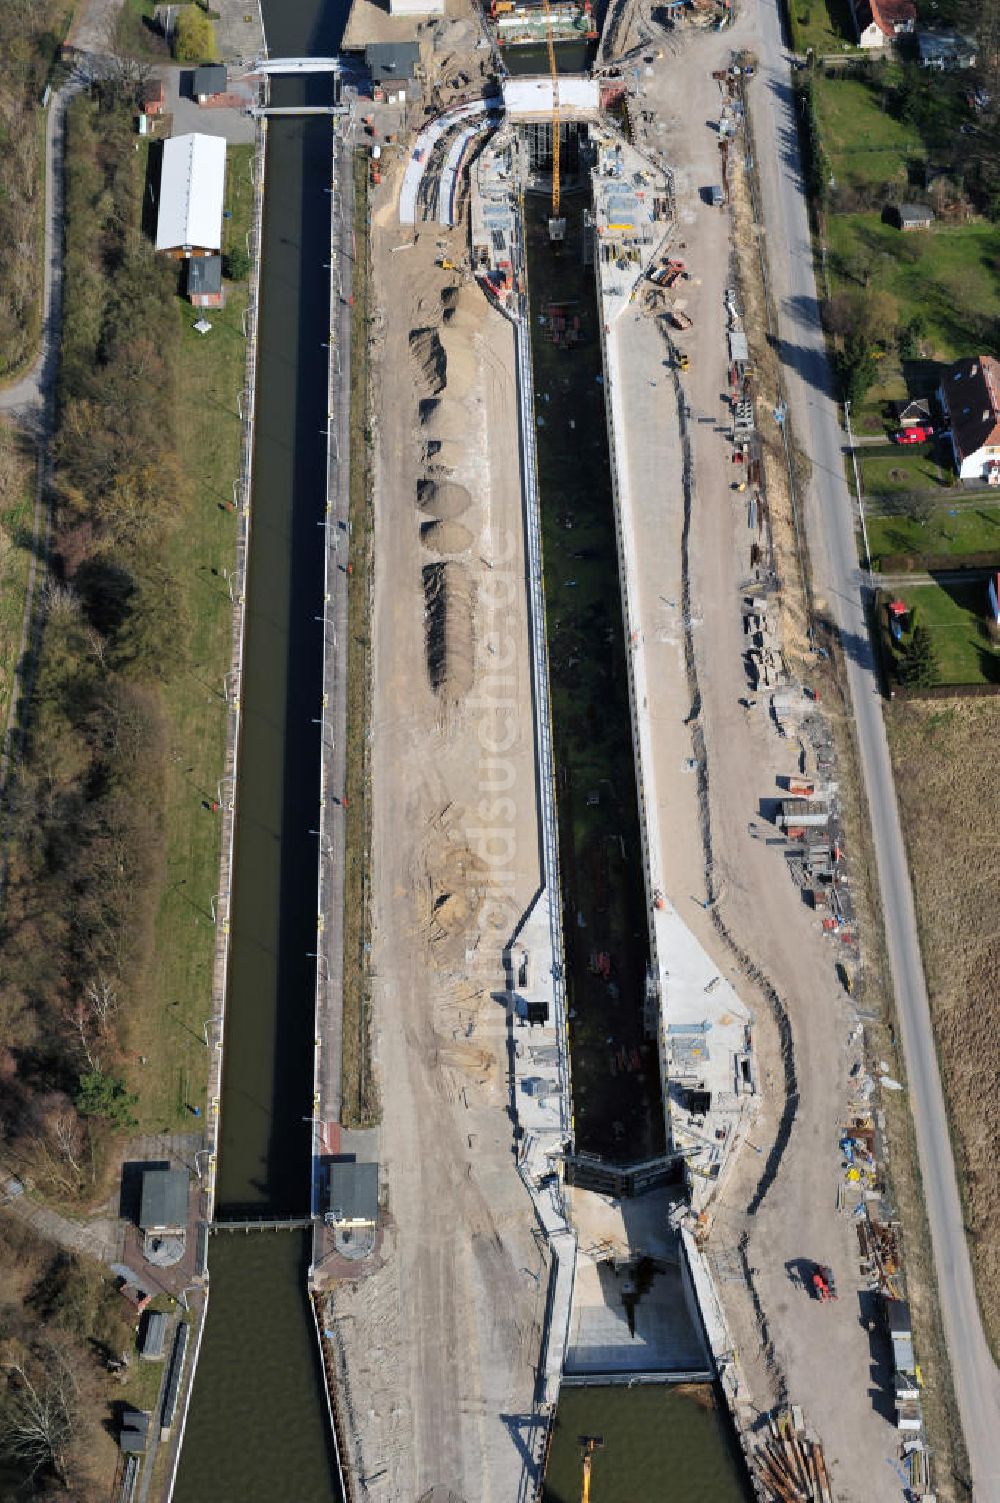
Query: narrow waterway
[670,1443]
[257,1425]
[615,1071]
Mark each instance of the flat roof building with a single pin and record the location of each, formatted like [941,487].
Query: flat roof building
[164,1203]
[210,79]
[154,1334]
[353,1194]
[192,185]
[392,62]
[204,281]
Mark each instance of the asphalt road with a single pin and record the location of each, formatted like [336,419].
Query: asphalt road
[838,584]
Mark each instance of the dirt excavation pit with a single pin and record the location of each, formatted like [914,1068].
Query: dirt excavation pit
[445,537]
[442,500]
[429,357]
[449,600]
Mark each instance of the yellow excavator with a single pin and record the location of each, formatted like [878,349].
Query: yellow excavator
[590,1444]
[557,225]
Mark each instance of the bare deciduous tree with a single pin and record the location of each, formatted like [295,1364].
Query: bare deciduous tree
[38,1416]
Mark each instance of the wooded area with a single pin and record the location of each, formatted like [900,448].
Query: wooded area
[85,817]
[30,33]
[62,1325]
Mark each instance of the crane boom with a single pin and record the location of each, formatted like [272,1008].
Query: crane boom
[590,1444]
[557,227]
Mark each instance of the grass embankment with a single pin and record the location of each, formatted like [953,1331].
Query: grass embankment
[360,1096]
[949,799]
[169,1017]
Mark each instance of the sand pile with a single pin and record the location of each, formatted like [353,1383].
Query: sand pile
[442,500]
[441,418]
[445,537]
[443,457]
[463,310]
[429,358]
[448,623]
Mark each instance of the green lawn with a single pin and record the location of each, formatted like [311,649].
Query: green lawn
[950,532]
[865,145]
[955,615]
[948,275]
[823,25]
[892,469]
[168,1027]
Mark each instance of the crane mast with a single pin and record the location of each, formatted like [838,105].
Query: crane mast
[557,225]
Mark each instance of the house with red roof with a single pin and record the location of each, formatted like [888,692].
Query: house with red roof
[880,22]
[970,398]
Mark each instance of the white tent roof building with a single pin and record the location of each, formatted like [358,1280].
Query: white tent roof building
[192,184]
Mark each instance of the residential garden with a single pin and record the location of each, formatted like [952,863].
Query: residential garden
[899,307]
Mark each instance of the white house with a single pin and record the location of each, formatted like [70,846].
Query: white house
[970,397]
[192,185]
[880,22]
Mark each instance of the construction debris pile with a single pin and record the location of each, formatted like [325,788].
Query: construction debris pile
[789,1467]
[764,662]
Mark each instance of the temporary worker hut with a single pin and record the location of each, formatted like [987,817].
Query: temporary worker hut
[204,282]
[153,1336]
[192,184]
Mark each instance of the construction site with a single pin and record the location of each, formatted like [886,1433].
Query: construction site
[631,1151]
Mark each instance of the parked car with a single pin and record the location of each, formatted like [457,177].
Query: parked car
[918,434]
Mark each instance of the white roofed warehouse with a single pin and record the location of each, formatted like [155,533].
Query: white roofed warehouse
[192,185]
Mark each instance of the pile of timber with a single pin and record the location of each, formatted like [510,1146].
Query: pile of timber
[791,1468]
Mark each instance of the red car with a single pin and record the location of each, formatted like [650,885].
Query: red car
[919,434]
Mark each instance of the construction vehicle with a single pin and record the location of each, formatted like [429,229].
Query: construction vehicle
[684,361]
[557,224]
[590,1444]
[446,264]
[822,1283]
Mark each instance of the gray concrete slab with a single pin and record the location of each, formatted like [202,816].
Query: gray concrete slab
[661,1336]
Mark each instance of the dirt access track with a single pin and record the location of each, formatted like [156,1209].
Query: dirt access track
[442,1340]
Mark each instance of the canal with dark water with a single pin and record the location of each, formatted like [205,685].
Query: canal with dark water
[615,1070]
[672,1443]
[257,1425]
